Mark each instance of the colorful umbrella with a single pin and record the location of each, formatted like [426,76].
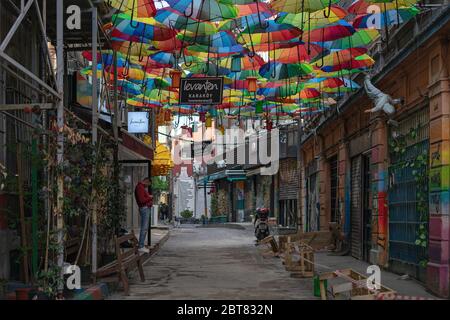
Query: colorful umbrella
[142,31]
[384,19]
[173,19]
[270,32]
[312,20]
[135,8]
[295,6]
[298,53]
[360,38]
[220,39]
[278,71]
[210,10]
[334,31]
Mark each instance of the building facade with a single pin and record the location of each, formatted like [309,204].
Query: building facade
[386,181]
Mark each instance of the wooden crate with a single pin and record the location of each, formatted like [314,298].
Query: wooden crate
[355,285]
[317,240]
[272,245]
[303,267]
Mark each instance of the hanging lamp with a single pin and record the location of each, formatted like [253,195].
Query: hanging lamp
[251,83]
[176,78]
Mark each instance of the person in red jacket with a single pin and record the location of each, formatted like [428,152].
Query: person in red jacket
[145,201]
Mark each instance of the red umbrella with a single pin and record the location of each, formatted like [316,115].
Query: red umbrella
[331,32]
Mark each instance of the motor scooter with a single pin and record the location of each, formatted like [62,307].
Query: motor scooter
[261,223]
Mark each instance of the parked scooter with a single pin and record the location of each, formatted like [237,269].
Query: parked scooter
[261,223]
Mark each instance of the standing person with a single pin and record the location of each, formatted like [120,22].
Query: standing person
[145,202]
[164,209]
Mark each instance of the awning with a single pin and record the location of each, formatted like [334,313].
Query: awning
[230,175]
[240,178]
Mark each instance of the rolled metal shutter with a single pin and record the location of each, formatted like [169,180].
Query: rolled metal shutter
[356,236]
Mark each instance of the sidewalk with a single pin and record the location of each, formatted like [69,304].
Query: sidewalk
[102,290]
[407,287]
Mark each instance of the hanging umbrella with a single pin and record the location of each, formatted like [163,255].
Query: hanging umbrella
[220,39]
[244,74]
[337,30]
[245,21]
[135,8]
[318,73]
[284,90]
[312,20]
[278,71]
[207,68]
[385,19]
[210,10]
[298,53]
[236,2]
[361,7]
[340,56]
[362,61]
[125,86]
[173,19]
[309,93]
[360,38]
[254,7]
[142,31]
[242,62]
[349,85]
[269,32]
[295,6]
[218,51]
[130,49]
[317,83]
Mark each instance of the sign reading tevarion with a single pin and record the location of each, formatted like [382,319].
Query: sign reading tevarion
[206,90]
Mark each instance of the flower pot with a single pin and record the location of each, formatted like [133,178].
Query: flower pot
[23,293]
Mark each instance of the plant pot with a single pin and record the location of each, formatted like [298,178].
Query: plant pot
[23,293]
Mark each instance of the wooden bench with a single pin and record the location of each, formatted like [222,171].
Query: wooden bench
[127,260]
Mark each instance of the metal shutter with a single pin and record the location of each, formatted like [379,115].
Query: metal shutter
[355,221]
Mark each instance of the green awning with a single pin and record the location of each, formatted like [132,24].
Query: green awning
[240,178]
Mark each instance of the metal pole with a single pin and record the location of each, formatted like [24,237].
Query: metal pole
[60,137]
[94,130]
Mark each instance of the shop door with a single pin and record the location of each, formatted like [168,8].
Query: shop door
[356,212]
[312,202]
[408,194]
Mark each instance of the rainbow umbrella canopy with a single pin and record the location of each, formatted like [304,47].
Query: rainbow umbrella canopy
[301,52]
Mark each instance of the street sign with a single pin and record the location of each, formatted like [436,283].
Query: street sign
[138,122]
[207,90]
